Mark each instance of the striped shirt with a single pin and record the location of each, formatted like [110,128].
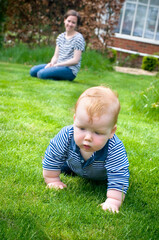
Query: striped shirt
[109,163]
[67,47]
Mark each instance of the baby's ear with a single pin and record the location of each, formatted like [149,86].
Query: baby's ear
[113,131]
[74,117]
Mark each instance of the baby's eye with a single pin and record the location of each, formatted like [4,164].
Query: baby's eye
[97,133]
[82,129]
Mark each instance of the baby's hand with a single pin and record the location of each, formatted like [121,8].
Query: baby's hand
[111,204]
[56,185]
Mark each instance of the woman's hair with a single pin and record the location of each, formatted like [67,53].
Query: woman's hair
[100,100]
[73,13]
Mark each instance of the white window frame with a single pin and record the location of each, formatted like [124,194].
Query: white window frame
[134,38]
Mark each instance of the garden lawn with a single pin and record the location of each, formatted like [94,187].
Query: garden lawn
[32,111]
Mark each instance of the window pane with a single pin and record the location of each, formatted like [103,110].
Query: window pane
[139,21]
[154,2]
[143,1]
[151,21]
[131,0]
[157,34]
[128,18]
[117,29]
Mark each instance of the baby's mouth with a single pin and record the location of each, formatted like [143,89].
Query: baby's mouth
[86,146]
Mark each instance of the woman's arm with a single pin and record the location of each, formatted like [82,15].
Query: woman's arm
[54,58]
[72,61]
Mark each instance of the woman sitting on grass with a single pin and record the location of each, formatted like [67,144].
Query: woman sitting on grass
[66,61]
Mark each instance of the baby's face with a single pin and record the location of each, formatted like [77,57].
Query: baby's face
[91,136]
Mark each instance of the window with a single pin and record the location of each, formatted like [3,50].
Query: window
[139,19]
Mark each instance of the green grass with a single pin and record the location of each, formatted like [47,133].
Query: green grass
[21,53]
[148,100]
[24,54]
[32,111]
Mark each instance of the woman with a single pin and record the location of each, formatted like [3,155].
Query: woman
[66,60]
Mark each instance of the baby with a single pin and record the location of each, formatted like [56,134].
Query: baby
[90,148]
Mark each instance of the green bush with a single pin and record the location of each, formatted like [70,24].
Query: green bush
[148,100]
[149,63]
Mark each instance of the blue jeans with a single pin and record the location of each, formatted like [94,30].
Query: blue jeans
[53,73]
[66,170]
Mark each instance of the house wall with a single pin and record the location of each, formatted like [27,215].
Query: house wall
[136,46]
[133,60]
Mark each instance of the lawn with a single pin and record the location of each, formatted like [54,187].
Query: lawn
[32,111]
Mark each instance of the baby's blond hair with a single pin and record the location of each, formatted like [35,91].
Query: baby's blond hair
[100,100]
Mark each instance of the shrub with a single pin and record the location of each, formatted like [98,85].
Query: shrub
[149,63]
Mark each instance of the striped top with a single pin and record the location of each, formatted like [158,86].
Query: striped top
[109,163]
[67,47]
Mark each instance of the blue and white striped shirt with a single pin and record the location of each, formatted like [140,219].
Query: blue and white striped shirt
[67,47]
[109,163]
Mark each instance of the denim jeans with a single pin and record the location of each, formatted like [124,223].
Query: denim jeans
[53,73]
[66,170]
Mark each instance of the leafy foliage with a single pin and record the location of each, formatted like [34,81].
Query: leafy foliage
[37,21]
[149,63]
[3,7]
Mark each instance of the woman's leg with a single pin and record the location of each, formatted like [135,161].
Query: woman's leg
[34,70]
[56,73]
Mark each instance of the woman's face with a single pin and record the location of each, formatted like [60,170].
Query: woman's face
[70,23]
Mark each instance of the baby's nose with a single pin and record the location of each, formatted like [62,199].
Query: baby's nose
[88,136]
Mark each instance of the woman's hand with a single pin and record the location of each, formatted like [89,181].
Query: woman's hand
[54,58]
[49,65]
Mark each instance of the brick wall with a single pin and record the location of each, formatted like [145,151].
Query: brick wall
[131,60]
[135,46]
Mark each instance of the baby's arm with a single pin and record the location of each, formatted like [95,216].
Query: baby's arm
[52,179]
[113,201]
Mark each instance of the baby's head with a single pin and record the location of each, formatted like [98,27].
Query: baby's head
[98,101]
